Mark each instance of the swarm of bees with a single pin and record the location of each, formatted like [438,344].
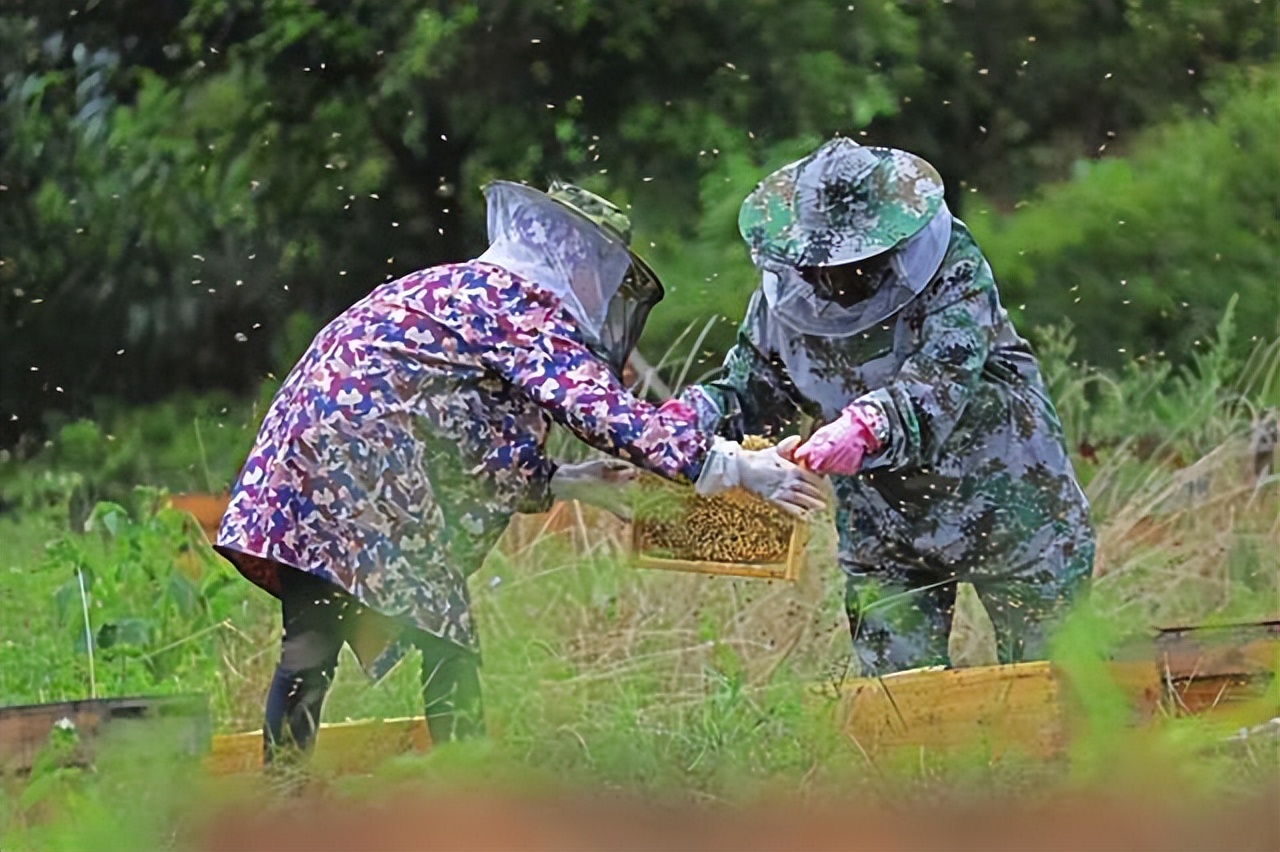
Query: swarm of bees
[733,526]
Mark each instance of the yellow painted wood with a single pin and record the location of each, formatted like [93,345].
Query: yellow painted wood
[341,747]
[1000,708]
[1227,676]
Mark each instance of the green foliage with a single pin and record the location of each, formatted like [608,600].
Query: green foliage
[137,221]
[1143,253]
[1184,410]
[137,600]
[185,444]
[708,275]
[178,183]
[1011,93]
[185,207]
[1164,453]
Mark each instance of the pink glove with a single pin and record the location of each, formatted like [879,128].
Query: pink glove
[839,446]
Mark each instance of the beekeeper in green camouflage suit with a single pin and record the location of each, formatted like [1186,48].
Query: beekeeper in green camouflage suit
[878,316]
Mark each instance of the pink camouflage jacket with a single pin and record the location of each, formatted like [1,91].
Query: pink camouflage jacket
[398,447]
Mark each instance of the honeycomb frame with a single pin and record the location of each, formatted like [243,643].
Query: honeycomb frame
[786,568]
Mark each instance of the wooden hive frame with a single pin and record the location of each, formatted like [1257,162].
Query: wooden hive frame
[788,569]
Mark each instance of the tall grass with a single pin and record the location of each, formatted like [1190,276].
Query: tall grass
[1186,508]
[719,689]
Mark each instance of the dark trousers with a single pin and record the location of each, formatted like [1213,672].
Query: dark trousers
[318,619]
[902,619]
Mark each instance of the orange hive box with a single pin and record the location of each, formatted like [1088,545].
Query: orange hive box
[207,509]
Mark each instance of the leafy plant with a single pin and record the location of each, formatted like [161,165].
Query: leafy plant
[179,184]
[142,594]
[184,444]
[1144,253]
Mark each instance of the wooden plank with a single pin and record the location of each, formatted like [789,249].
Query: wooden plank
[341,747]
[1234,649]
[25,729]
[759,570]
[1220,670]
[1219,696]
[997,708]
[797,550]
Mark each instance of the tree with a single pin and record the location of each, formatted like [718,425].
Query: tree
[1144,253]
[181,178]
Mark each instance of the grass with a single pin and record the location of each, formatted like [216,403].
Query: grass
[598,676]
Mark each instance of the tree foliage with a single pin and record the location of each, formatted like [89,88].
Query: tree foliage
[1145,252]
[181,178]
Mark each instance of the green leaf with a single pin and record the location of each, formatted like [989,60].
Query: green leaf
[215,583]
[183,593]
[108,516]
[67,597]
[106,637]
[135,632]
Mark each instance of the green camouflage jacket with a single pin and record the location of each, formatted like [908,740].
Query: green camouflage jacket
[973,480]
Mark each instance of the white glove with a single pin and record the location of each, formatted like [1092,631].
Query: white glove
[764,472]
[600,482]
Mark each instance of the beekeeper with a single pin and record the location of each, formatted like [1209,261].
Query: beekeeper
[878,315]
[412,428]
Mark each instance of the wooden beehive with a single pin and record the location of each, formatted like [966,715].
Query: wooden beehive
[1000,707]
[179,721]
[341,747]
[1223,673]
[207,509]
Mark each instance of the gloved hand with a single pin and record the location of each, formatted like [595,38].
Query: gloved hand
[768,473]
[600,482]
[840,446]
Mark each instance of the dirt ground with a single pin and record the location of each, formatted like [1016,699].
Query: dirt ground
[467,822]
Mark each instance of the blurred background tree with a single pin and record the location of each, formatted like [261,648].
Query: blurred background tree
[186,184]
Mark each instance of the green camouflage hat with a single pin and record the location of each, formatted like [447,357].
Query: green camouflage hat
[842,203]
[607,216]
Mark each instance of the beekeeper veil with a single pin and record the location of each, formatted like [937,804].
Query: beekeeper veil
[873,218]
[847,299]
[575,244]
